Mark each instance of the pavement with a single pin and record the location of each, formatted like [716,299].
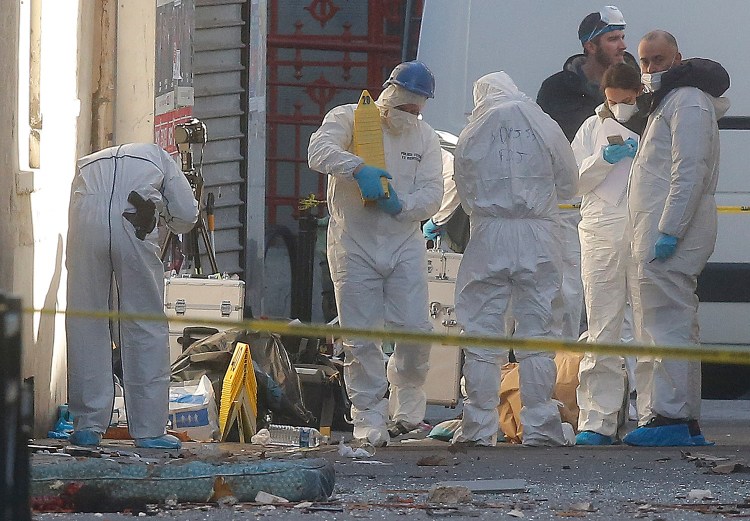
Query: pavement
[597,483]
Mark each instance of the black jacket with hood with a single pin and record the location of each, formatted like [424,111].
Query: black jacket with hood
[569,98]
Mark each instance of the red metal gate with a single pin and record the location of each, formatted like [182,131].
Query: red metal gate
[322,53]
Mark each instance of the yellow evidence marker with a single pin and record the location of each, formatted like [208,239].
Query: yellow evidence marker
[368,138]
[239,396]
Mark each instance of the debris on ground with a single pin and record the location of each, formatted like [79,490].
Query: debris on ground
[449,495]
[700,494]
[365,451]
[432,461]
[269,499]
[479,486]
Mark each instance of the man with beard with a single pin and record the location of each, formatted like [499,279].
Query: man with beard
[570,97]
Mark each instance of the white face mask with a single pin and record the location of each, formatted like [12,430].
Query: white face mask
[396,121]
[652,82]
[623,111]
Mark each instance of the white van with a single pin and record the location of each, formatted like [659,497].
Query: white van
[463,40]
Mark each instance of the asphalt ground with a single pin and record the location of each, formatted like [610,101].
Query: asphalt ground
[597,483]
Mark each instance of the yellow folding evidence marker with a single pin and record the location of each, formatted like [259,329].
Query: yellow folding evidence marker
[239,396]
[367,141]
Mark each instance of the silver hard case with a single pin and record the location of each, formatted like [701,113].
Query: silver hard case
[192,299]
[443,384]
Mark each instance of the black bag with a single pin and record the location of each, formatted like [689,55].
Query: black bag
[279,393]
[325,394]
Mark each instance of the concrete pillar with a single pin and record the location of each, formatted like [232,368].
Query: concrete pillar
[136,44]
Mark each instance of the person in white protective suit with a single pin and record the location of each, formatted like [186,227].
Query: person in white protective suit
[376,254]
[433,228]
[608,270]
[512,165]
[570,97]
[116,197]
[673,214]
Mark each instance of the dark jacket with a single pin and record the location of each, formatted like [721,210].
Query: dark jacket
[569,98]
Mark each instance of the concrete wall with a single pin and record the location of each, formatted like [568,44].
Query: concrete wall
[51,53]
[59,30]
[9,21]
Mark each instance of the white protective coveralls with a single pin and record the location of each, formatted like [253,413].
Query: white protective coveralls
[512,164]
[608,272]
[671,191]
[378,262]
[568,307]
[451,199]
[102,244]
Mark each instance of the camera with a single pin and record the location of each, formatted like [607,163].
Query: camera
[186,134]
[190,132]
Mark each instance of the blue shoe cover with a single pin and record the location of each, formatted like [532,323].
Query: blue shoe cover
[85,438]
[677,435]
[699,440]
[592,438]
[165,441]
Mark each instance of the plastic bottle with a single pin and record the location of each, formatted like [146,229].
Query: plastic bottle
[290,436]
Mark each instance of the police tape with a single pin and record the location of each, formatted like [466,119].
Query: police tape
[720,209]
[715,353]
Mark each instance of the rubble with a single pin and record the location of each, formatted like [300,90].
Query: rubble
[449,495]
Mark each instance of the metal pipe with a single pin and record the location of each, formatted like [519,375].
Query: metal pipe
[407,31]
[302,278]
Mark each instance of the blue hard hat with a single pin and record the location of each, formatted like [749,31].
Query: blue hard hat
[415,77]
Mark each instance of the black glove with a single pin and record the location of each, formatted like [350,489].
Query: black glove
[144,218]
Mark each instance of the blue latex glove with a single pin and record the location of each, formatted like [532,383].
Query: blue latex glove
[368,179]
[632,145]
[665,246]
[391,206]
[431,231]
[615,153]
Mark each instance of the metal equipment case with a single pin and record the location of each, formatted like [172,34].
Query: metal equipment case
[193,299]
[444,376]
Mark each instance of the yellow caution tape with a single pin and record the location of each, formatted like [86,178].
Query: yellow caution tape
[720,209]
[733,209]
[727,354]
[367,140]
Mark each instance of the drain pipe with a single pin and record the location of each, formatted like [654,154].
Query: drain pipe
[302,278]
[407,31]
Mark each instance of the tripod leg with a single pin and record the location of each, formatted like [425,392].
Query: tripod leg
[210,253]
[171,250]
[195,251]
[167,244]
